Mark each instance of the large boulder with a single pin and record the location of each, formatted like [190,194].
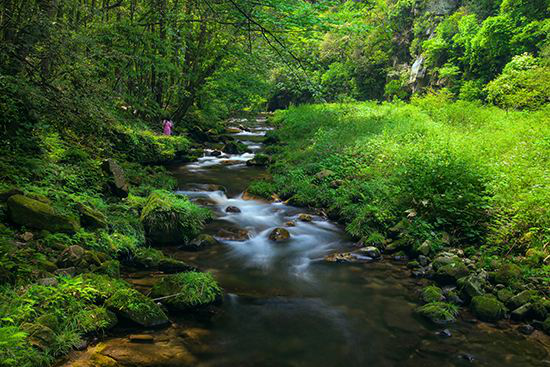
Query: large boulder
[450,273]
[522,313]
[36,214]
[507,274]
[170,219]
[136,307]
[5,195]
[488,308]
[187,290]
[91,218]
[471,286]
[521,298]
[117,180]
[40,336]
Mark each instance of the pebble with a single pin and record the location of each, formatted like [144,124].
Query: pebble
[445,333]
[526,329]
[468,357]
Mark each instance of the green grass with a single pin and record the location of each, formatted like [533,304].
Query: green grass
[189,289]
[166,214]
[478,173]
[63,313]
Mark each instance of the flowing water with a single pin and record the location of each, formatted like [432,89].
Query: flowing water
[284,307]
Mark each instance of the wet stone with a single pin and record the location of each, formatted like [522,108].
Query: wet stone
[371,252]
[279,235]
[233,234]
[445,333]
[526,329]
[305,217]
[468,357]
[232,209]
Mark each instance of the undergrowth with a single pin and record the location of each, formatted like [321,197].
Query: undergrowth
[475,175]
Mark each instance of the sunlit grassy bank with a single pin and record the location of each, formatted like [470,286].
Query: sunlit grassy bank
[455,174]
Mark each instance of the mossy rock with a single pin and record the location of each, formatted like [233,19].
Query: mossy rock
[171,219]
[546,326]
[432,294]
[136,307]
[72,256]
[425,248]
[91,218]
[507,274]
[438,312]
[46,264]
[110,268]
[190,290]
[488,308]
[32,213]
[40,336]
[521,298]
[96,319]
[326,173]
[450,273]
[522,313]
[445,259]
[540,309]
[201,242]
[235,147]
[6,194]
[471,286]
[151,258]
[259,160]
[504,295]
[48,320]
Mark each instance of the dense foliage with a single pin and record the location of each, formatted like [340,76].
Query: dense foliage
[83,83]
[447,172]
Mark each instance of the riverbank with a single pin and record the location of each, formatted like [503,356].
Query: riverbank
[283,303]
[438,185]
[77,215]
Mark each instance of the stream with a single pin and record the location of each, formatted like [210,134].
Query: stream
[285,307]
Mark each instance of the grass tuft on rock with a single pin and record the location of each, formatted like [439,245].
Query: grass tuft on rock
[187,290]
[439,312]
[172,219]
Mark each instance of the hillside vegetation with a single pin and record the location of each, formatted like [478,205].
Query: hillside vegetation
[422,125]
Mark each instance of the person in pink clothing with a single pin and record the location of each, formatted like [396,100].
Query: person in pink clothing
[167,125]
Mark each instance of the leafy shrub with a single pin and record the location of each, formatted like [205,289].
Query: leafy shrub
[456,167]
[523,84]
[68,310]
